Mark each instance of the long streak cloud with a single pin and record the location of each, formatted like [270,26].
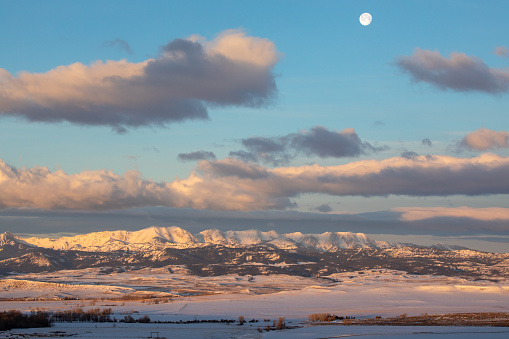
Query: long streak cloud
[180,84]
[230,184]
[482,214]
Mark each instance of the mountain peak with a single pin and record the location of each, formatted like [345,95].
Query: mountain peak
[7,238]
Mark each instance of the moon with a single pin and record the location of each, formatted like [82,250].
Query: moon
[365,19]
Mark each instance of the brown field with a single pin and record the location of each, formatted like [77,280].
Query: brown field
[494,319]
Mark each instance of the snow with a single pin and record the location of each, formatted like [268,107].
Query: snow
[185,297]
[131,331]
[372,332]
[220,331]
[370,293]
[17,288]
[161,237]
[385,293]
[117,239]
[214,236]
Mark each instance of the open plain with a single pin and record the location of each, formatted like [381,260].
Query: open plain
[180,296]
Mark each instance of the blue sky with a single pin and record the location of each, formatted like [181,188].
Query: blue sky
[426,78]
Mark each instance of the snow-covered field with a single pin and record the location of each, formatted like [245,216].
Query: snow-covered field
[214,331]
[367,293]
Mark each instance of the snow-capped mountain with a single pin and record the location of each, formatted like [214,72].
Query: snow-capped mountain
[252,252]
[154,238]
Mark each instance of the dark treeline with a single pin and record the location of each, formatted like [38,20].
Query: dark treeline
[78,314]
[16,319]
[93,315]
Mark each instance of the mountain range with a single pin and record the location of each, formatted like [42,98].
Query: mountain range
[157,238]
[214,252]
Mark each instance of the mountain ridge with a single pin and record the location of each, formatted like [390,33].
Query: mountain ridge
[154,238]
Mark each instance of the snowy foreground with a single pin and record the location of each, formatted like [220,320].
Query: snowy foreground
[367,294]
[128,331]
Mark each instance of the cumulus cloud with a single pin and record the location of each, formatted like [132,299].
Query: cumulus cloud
[502,51]
[119,44]
[459,72]
[319,141]
[198,155]
[230,184]
[423,213]
[180,84]
[90,190]
[485,139]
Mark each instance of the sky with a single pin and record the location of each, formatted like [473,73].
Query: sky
[284,115]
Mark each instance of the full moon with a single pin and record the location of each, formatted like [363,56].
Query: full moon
[365,19]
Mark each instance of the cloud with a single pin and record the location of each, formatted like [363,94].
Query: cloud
[266,150]
[179,84]
[483,214]
[324,143]
[239,170]
[263,145]
[230,184]
[501,51]
[319,141]
[409,154]
[253,157]
[484,139]
[426,142]
[323,208]
[119,44]
[199,155]
[459,72]
[90,190]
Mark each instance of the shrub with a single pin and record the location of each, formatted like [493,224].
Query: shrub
[321,317]
[280,323]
